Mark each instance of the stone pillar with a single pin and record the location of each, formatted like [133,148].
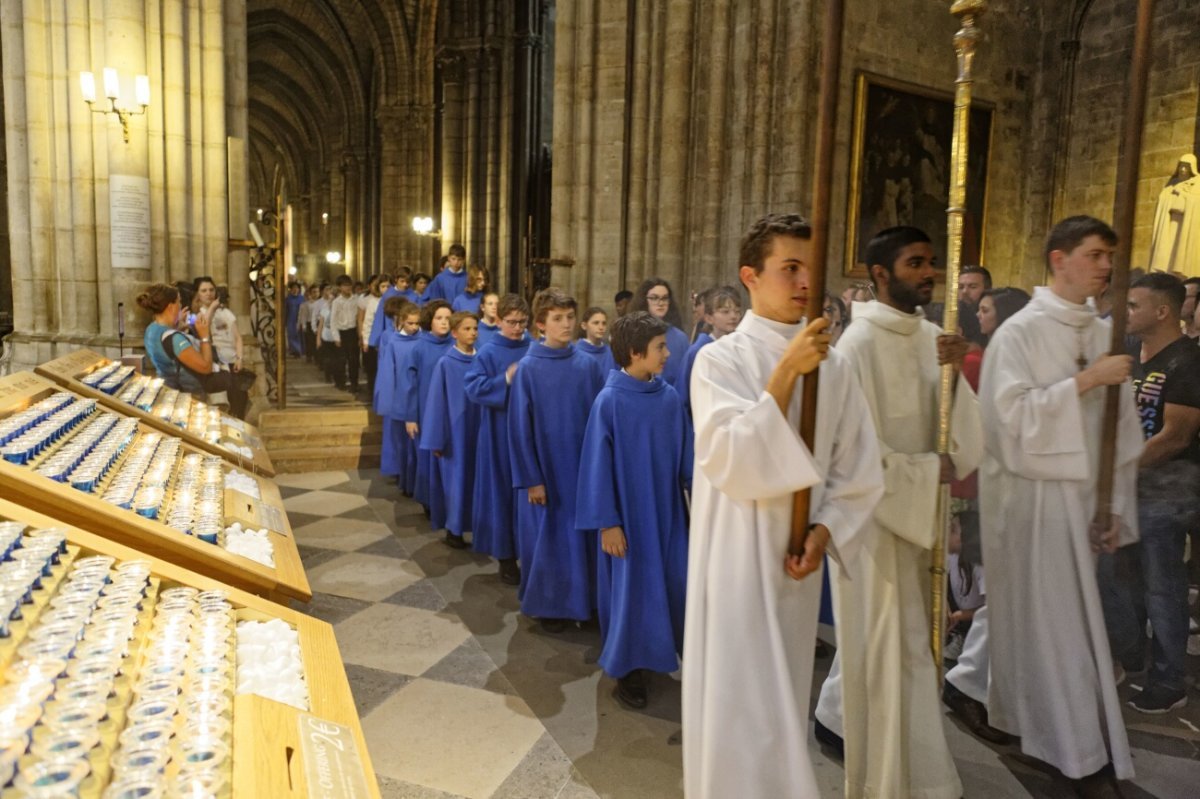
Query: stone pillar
[237,126]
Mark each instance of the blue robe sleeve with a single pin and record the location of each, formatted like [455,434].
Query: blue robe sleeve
[435,422]
[385,387]
[411,404]
[486,389]
[527,471]
[597,494]
[687,460]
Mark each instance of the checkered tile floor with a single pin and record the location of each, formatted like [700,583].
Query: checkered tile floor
[461,696]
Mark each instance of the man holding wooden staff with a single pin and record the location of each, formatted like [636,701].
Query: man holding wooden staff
[1042,398]
[752,612]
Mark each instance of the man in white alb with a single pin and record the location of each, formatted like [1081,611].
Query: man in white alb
[1042,391]
[752,613]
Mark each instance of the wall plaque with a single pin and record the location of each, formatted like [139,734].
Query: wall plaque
[129,221]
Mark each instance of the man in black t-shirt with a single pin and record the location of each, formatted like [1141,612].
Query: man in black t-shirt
[1153,585]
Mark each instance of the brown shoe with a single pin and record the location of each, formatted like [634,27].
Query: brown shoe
[1101,785]
[974,715]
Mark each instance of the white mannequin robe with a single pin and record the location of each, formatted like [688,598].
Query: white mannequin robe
[1052,671]
[891,713]
[750,629]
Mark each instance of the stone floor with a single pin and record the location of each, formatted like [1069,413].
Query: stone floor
[307,387]
[461,696]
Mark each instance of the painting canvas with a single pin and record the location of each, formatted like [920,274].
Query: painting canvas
[901,168]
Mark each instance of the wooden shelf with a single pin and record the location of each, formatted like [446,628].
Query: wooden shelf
[69,370]
[25,486]
[269,755]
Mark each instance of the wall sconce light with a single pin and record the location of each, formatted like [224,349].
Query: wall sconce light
[423,226]
[292,270]
[333,256]
[112,92]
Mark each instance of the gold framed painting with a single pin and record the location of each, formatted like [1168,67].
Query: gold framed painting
[900,167]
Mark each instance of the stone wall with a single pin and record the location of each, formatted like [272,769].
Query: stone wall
[1172,110]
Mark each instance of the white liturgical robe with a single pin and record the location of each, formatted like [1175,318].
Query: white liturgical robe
[891,711]
[751,630]
[1052,671]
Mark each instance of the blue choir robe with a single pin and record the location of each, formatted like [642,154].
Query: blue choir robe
[450,425]
[601,353]
[399,451]
[684,385]
[446,285]
[677,344]
[552,394]
[486,333]
[635,464]
[381,321]
[467,301]
[493,524]
[427,351]
[295,340]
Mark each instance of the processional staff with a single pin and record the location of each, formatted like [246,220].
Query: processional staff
[965,42]
[831,60]
[1123,213]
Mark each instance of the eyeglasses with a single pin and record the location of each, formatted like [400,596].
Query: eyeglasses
[515,322]
[658,298]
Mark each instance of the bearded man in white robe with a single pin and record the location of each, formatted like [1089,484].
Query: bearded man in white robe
[890,713]
[752,610]
[1042,387]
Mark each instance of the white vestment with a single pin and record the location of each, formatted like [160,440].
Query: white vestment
[751,630]
[1175,245]
[891,711]
[1052,671]
[970,674]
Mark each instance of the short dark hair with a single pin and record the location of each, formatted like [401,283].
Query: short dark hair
[402,273]
[756,242]
[429,310]
[458,317]
[978,270]
[457,249]
[1191,281]
[622,295]
[394,306]
[718,297]
[631,335]
[418,277]
[884,247]
[509,303]
[344,280]
[1169,288]
[1070,233]
[552,299]
[1007,301]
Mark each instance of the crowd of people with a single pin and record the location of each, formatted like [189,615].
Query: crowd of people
[637,469]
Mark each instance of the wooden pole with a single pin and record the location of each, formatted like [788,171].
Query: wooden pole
[1123,213]
[831,63]
[965,42]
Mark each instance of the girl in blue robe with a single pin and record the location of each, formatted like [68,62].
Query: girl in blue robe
[451,429]
[635,465]
[433,341]
[594,327]
[655,296]
[552,394]
[486,383]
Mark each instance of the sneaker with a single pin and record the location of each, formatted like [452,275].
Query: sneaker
[1156,700]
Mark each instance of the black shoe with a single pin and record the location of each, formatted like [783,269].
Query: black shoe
[973,714]
[510,572]
[553,626]
[455,541]
[1101,785]
[1156,700]
[829,739]
[631,690]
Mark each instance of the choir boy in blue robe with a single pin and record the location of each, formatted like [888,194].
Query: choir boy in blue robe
[450,428]
[398,288]
[654,295]
[433,341]
[489,322]
[398,455]
[451,281]
[488,381]
[722,312]
[635,465]
[552,394]
[594,327]
[385,387]
[471,297]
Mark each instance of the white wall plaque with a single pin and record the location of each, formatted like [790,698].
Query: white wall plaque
[129,221]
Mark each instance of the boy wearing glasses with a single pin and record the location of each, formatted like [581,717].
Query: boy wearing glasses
[635,465]
[487,384]
[552,394]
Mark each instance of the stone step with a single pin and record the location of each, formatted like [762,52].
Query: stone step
[310,418]
[322,435]
[323,459]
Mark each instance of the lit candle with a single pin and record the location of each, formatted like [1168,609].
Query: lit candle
[112,84]
[87,85]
